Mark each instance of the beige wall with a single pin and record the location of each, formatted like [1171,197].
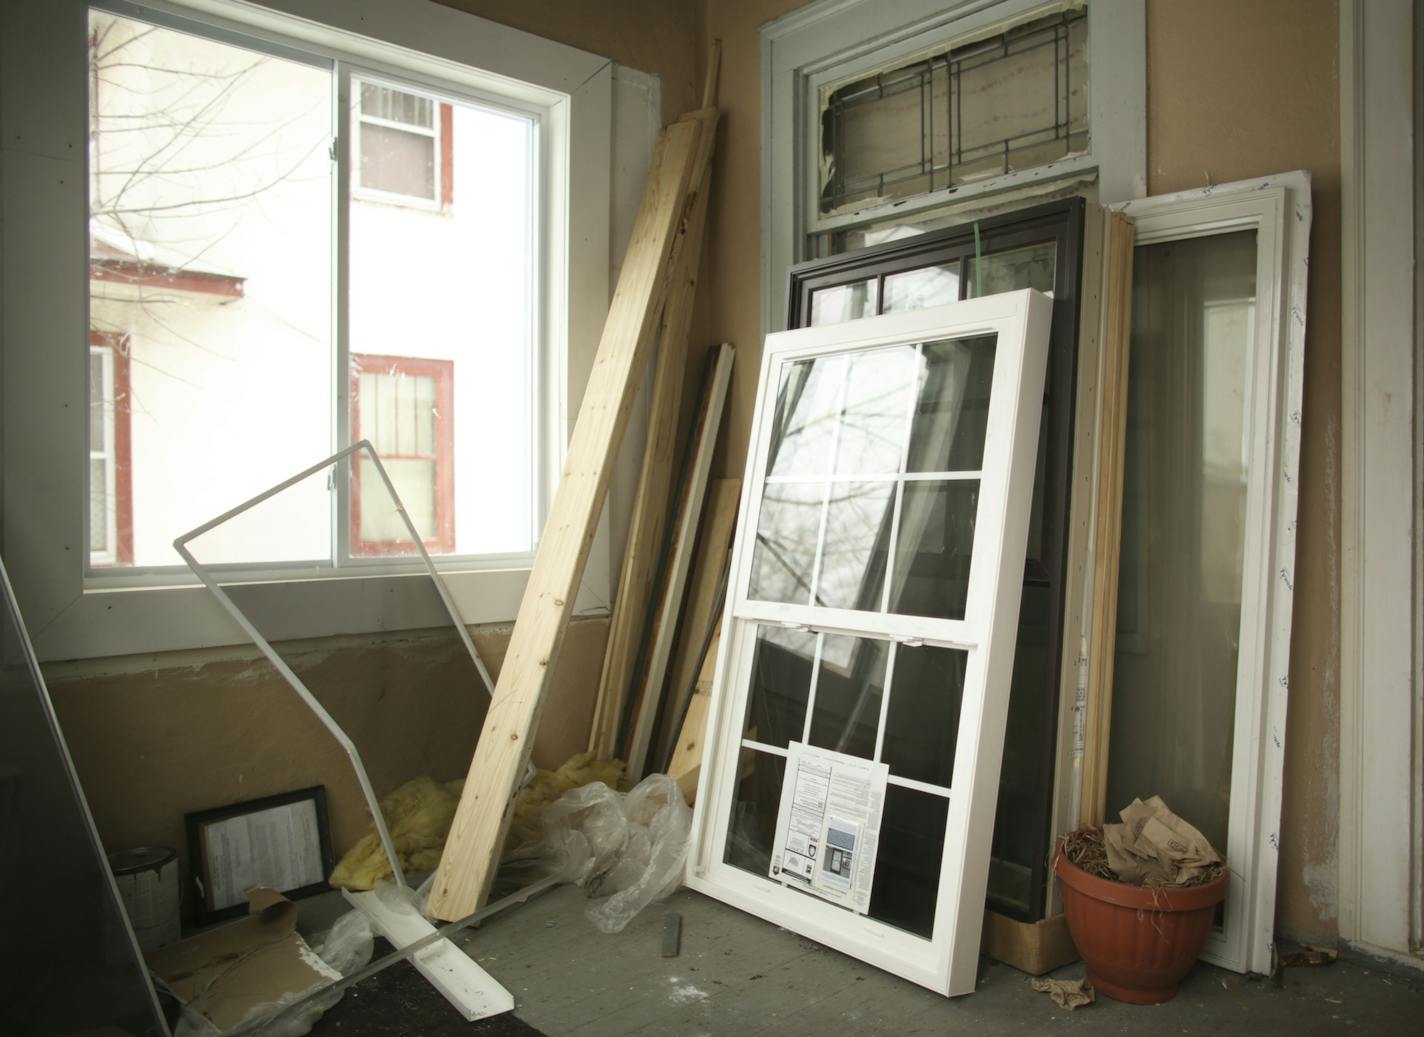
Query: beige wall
[1234,91]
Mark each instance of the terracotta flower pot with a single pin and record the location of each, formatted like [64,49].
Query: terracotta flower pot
[1137,942]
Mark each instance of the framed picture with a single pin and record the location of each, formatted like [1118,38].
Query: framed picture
[282,842]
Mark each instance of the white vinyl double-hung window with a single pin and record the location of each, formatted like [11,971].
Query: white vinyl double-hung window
[306,224]
[872,613]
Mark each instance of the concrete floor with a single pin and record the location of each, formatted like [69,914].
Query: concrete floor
[743,977]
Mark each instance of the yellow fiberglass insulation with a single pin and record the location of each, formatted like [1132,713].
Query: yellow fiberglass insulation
[419,814]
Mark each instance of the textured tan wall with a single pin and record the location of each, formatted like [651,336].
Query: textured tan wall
[1234,91]
[156,737]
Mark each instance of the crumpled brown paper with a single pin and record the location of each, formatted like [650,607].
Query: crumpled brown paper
[1066,993]
[1155,847]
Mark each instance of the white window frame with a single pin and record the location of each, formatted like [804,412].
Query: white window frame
[43,107]
[359,120]
[833,41]
[948,961]
[109,456]
[1278,209]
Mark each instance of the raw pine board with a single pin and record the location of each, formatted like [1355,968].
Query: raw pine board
[471,852]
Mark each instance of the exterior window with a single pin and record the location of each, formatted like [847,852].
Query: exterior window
[406,146]
[214,252]
[110,491]
[404,406]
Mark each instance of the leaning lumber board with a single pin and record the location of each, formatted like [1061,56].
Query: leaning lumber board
[1107,525]
[686,765]
[705,589]
[471,853]
[648,693]
[638,578]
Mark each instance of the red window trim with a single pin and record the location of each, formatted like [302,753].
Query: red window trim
[118,344]
[443,371]
[447,155]
[152,275]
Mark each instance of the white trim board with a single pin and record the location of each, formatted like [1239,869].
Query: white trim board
[1379,682]
[947,961]
[1278,208]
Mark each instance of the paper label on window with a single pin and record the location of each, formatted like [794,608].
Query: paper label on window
[828,826]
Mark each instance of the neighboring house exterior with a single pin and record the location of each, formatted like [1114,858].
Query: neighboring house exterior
[213,307]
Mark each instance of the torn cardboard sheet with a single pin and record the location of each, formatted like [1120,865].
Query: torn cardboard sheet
[1066,993]
[1155,847]
[228,973]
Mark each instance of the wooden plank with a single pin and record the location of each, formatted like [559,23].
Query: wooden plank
[473,992]
[686,765]
[1107,526]
[468,863]
[706,591]
[648,693]
[637,581]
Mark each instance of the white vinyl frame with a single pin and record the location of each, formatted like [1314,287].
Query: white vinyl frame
[831,41]
[43,109]
[948,961]
[1278,210]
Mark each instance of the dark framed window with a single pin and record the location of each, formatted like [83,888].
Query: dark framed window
[1036,248]
[404,406]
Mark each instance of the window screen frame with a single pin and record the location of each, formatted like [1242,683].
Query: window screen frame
[1047,561]
[947,961]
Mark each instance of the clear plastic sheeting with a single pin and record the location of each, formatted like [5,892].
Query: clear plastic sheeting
[625,849]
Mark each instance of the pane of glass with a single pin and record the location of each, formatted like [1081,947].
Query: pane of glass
[923,719]
[876,412]
[98,505]
[397,161]
[849,687]
[953,408]
[384,102]
[379,522]
[785,550]
[907,862]
[753,823]
[843,302]
[806,407]
[932,553]
[468,303]
[210,251]
[1029,267]
[916,289]
[857,536]
[98,404]
[1184,500]
[780,685]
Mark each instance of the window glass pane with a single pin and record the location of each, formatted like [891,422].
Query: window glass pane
[98,404]
[455,286]
[780,685]
[916,289]
[806,407]
[932,553]
[1184,511]
[98,505]
[414,482]
[876,410]
[906,885]
[953,408]
[843,302]
[210,200]
[849,687]
[1031,267]
[853,559]
[1010,102]
[753,824]
[785,551]
[922,722]
[385,102]
[397,161]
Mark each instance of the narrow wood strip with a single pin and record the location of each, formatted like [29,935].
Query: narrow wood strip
[471,853]
[1107,536]
[686,765]
[648,693]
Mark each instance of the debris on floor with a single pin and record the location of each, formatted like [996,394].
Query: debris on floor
[418,816]
[1066,993]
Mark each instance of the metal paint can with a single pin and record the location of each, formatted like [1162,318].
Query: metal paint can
[147,877]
